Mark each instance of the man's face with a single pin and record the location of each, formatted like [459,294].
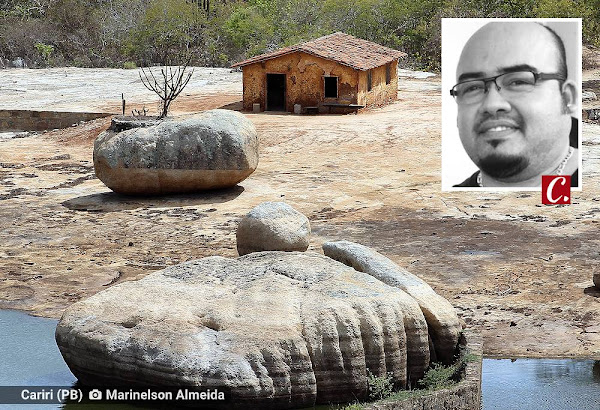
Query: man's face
[513,138]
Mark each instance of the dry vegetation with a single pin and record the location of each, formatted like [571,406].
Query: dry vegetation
[126,33]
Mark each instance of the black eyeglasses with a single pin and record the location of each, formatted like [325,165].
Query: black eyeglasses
[511,84]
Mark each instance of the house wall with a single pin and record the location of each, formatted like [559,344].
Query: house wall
[304,80]
[381,93]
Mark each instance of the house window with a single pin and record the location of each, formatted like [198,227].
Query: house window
[388,73]
[369,80]
[331,87]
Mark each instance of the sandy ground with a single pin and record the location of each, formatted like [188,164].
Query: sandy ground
[518,271]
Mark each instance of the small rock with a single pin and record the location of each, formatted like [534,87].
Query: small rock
[588,96]
[597,280]
[19,63]
[273,226]
[122,123]
[61,157]
[592,329]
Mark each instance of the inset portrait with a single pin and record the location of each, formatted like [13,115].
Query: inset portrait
[511,102]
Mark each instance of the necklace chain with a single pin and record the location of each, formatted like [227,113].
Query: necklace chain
[557,171]
[561,167]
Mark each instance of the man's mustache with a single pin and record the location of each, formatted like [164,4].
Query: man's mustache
[488,121]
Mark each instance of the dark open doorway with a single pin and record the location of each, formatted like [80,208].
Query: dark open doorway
[331,87]
[275,92]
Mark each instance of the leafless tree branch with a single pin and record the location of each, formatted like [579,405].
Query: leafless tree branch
[172,83]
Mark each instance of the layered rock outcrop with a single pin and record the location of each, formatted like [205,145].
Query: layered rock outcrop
[273,329]
[273,226]
[214,149]
[443,323]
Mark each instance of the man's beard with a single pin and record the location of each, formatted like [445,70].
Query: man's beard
[503,166]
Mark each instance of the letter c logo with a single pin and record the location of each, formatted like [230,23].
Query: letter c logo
[550,189]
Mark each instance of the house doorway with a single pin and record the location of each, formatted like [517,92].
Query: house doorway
[275,92]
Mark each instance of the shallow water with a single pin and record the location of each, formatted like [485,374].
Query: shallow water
[540,384]
[29,357]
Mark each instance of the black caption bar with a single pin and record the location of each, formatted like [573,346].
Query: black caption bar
[80,394]
[39,394]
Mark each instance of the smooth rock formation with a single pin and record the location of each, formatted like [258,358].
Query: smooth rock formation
[273,226]
[214,149]
[272,329]
[444,325]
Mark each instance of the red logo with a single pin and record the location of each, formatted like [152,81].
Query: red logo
[556,189]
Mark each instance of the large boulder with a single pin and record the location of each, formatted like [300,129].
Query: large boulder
[214,149]
[443,323]
[272,329]
[273,226]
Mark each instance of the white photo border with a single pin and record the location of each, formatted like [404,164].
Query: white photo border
[456,165]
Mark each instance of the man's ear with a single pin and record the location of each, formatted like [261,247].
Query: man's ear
[569,96]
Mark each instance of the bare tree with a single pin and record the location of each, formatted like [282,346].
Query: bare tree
[171,83]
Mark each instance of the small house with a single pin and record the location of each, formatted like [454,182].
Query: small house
[337,72]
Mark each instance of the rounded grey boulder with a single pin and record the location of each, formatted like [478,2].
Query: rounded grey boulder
[272,329]
[213,149]
[273,226]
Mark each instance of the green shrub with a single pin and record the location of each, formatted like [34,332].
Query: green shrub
[439,377]
[45,50]
[380,387]
[129,65]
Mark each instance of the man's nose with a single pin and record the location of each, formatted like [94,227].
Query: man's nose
[493,101]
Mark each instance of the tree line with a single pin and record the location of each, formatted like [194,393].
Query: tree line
[130,33]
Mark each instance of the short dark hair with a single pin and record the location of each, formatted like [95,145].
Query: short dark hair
[562,55]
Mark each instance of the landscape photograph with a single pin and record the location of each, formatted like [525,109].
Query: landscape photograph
[239,204]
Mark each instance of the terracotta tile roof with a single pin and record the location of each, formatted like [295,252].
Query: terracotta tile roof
[340,47]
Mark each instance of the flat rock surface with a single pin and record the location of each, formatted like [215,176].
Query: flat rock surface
[371,178]
[70,89]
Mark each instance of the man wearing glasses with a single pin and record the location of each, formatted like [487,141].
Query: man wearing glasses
[515,105]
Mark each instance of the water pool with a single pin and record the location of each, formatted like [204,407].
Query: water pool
[29,357]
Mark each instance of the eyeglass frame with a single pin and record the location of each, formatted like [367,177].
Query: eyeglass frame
[536,76]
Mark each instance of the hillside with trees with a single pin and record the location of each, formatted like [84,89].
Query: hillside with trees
[130,33]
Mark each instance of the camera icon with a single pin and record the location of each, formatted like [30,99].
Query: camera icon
[95,394]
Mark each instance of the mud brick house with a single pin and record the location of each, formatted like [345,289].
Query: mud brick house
[333,73]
